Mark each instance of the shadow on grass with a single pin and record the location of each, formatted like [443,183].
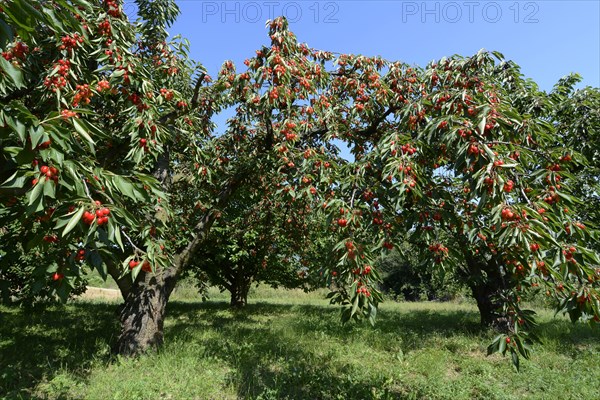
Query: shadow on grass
[37,342]
[265,362]
[268,364]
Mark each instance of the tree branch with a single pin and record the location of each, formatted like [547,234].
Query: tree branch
[202,228]
[375,124]
[124,282]
[194,101]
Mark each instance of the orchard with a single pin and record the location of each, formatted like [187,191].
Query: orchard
[109,161]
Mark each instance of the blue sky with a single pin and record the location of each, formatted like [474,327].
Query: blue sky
[549,39]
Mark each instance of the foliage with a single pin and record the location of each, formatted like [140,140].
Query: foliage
[460,158]
[79,136]
[253,241]
[404,279]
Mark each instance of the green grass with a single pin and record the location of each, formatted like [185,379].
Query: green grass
[288,345]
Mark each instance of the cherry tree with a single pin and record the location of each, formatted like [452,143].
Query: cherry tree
[109,161]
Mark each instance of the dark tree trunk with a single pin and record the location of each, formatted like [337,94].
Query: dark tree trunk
[489,304]
[239,292]
[143,314]
[487,283]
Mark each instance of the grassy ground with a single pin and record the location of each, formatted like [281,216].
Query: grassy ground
[288,345]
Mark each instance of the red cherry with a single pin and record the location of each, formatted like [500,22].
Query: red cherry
[146,266]
[44,169]
[534,247]
[133,264]
[342,222]
[105,212]
[88,217]
[57,277]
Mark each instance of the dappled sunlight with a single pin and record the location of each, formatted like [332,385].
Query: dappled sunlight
[273,349]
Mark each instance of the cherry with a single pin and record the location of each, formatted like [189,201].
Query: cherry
[146,266]
[88,217]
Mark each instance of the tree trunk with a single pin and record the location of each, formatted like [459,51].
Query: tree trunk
[239,292]
[143,314]
[487,283]
[490,306]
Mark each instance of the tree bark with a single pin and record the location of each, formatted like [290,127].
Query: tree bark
[487,283]
[490,306]
[143,313]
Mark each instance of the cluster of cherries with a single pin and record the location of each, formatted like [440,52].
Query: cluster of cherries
[361,289]
[84,93]
[113,8]
[145,265]
[167,94]
[80,256]
[70,41]
[508,215]
[48,173]
[440,252]
[101,214]
[365,271]
[58,80]
[103,85]
[18,51]
[104,28]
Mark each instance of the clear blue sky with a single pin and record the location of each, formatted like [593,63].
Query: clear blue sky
[549,39]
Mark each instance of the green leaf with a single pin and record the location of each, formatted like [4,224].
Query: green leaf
[83,132]
[15,74]
[49,188]
[355,305]
[73,221]
[515,359]
[97,262]
[14,182]
[118,238]
[6,34]
[36,135]
[124,186]
[35,194]
[502,346]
